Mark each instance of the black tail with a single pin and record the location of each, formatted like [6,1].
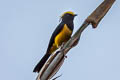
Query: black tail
[41,63]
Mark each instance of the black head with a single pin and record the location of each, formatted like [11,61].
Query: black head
[68,16]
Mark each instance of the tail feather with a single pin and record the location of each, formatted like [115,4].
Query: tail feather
[41,63]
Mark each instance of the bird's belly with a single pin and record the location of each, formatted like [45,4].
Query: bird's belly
[63,36]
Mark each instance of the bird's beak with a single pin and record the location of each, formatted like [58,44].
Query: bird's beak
[75,15]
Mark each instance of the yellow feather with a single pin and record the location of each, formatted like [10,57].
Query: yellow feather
[63,36]
[68,12]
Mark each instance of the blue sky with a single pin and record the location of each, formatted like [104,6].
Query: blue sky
[25,29]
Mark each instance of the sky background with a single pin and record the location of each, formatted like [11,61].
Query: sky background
[26,27]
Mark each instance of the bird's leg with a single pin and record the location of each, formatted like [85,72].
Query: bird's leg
[62,48]
[62,45]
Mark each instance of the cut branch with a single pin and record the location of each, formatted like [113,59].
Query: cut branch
[56,60]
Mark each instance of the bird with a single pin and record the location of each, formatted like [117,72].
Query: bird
[61,35]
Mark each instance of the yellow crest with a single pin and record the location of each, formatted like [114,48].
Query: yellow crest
[68,12]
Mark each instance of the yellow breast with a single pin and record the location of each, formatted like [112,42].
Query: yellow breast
[63,36]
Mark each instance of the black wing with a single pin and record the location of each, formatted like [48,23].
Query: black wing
[56,31]
[46,56]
